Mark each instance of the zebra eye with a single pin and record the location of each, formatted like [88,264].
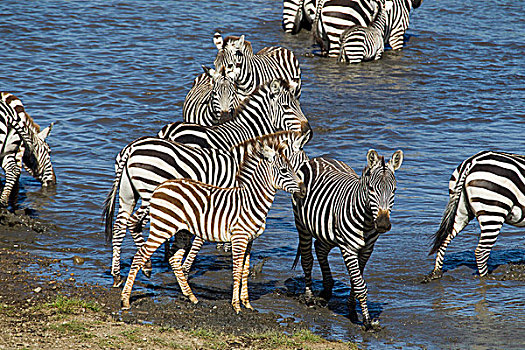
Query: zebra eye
[283,171]
[238,53]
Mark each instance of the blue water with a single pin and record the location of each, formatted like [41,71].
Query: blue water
[109,72]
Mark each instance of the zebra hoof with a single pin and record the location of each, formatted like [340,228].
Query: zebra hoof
[124,304]
[371,326]
[117,281]
[434,275]
[147,268]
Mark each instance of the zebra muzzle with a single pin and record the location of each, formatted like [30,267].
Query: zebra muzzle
[382,221]
[302,190]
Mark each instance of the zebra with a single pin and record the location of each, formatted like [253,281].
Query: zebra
[359,43]
[488,186]
[250,70]
[343,210]
[212,98]
[298,14]
[332,17]
[234,214]
[22,143]
[398,20]
[149,161]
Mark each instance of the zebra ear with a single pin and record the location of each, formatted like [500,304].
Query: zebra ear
[301,141]
[45,133]
[397,160]
[372,157]
[241,41]
[210,72]
[217,40]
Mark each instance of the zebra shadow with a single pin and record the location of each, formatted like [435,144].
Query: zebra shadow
[338,304]
[497,258]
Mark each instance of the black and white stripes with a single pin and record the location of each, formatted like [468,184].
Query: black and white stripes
[343,210]
[489,186]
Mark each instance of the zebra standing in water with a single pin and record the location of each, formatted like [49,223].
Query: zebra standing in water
[489,186]
[332,17]
[360,43]
[298,14]
[211,100]
[236,214]
[250,70]
[343,210]
[398,20]
[149,161]
[22,144]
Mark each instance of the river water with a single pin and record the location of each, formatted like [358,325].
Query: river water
[110,72]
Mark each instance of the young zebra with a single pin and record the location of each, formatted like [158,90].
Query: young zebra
[211,100]
[250,70]
[360,43]
[22,144]
[149,161]
[334,16]
[235,214]
[343,210]
[489,186]
[398,20]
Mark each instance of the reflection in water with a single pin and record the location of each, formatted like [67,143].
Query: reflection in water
[111,74]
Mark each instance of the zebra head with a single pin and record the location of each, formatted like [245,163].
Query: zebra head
[292,16]
[231,55]
[38,162]
[286,113]
[381,187]
[281,174]
[293,151]
[223,95]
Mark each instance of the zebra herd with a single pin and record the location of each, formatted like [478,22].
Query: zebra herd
[213,176]
[351,30]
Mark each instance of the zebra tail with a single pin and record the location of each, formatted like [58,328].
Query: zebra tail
[110,201]
[447,223]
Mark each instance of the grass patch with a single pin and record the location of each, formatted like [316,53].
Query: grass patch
[76,328]
[73,306]
[306,335]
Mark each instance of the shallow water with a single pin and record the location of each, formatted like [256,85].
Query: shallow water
[108,73]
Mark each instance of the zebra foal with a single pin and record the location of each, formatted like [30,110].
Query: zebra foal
[343,210]
[359,43]
[22,144]
[235,214]
[489,186]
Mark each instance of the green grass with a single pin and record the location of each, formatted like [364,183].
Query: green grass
[66,305]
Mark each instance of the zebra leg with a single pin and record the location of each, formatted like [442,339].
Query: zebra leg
[142,255]
[12,174]
[119,231]
[358,284]
[307,260]
[195,248]
[135,225]
[239,245]
[461,219]
[322,250]
[245,274]
[490,227]
[175,262]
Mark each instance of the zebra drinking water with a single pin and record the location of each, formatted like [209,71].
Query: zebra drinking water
[22,144]
[235,214]
[359,43]
[250,70]
[147,162]
[489,186]
[343,210]
[212,98]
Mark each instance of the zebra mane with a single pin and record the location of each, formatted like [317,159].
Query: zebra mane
[20,111]
[231,38]
[242,106]
[254,146]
